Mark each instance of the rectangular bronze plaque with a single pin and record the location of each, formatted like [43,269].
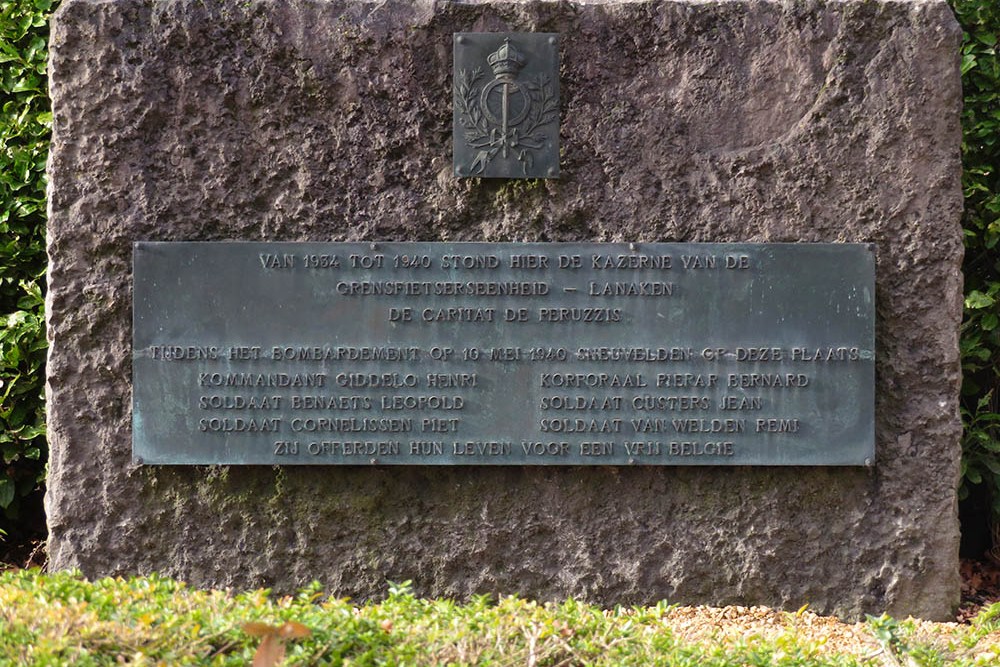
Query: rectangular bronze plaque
[503,353]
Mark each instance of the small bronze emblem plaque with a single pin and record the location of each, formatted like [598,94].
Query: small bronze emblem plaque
[506,122]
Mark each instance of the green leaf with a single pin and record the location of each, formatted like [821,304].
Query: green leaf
[975,300]
[973,475]
[7,489]
[987,38]
[968,62]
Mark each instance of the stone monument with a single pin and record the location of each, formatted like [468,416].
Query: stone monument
[679,122]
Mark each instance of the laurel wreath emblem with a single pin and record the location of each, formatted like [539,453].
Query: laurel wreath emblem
[482,135]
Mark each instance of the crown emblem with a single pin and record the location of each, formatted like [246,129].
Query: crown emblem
[506,61]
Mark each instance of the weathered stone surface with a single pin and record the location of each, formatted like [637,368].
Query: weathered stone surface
[681,121]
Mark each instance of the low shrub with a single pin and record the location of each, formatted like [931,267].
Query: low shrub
[63,619]
[24,135]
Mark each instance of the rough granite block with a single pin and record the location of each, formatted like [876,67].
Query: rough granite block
[330,120]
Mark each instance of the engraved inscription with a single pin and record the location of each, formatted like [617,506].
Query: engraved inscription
[540,354]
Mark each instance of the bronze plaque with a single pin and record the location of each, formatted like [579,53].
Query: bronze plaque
[506,105]
[503,353]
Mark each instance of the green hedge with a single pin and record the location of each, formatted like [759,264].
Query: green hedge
[24,135]
[981,329]
[24,139]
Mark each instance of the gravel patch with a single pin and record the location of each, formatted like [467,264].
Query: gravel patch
[734,623]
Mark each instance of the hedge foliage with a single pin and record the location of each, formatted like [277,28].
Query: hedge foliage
[24,134]
[24,137]
[980,341]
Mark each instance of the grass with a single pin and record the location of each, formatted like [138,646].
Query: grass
[60,619]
